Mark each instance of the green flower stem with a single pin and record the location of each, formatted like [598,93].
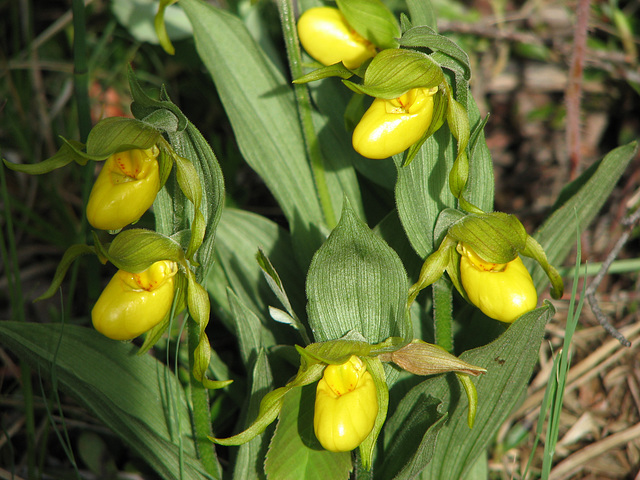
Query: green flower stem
[442,314]
[304,111]
[200,403]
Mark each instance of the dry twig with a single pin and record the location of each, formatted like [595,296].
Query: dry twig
[629,222]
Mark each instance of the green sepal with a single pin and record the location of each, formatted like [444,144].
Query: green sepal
[275,283]
[367,447]
[67,153]
[432,268]
[534,250]
[117,134]
[70,255]
[271,405]
[335,70]
[440,102]
[495,237]
[143,105]
[394,72]
[472,397]
[336,352]
[134,250]
[424,36]
[189,182]
[422,358]
[372,20]
[161,30]
[165,165]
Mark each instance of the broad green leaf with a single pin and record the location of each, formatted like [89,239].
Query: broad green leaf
[261,107]
[509,361]
[251,334]
[422,191]
[356,282]
[295,453]
[240,235]
[557,234]
[421,13]
[418,424]
[249,461]
[135,396]
[338,155]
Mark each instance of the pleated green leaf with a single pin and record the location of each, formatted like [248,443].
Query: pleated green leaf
[295,452]
[509,361]
[250,458]
[356,282]
[421,422]
[135,396]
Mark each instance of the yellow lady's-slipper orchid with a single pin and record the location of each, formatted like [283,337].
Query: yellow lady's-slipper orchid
[346,406]
[133,303]
[326,36]
[125,188]
[500,291]
[391,126]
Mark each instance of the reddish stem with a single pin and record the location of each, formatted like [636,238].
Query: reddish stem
[573,93]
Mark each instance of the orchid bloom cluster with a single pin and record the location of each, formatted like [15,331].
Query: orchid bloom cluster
[412,99]
[352,396]
[481,254]
[402,112]
[156,275]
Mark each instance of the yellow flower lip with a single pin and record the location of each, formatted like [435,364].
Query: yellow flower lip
[391,126]
[125,188]
[328,38]
[346,406]
[503,292]
[133,303]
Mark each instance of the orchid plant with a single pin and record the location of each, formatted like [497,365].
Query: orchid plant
[357,357]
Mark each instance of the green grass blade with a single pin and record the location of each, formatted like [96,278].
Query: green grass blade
[125,391]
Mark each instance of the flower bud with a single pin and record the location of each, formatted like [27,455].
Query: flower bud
[327,37]
[133,303]
[391,126]
[125,188]
[346,406]
[503,291]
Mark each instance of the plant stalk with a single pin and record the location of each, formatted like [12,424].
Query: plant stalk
[442,314]
[303,102]
[201,414]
